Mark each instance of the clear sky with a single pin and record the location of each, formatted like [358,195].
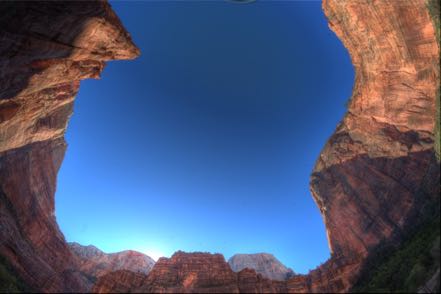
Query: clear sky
[207,140]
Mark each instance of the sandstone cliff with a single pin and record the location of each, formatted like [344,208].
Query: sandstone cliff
[378,168]
[46,48]
[376,176]
[94,263]
[189,272]
[263,263]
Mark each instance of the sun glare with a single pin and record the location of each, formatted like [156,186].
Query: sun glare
[155,254]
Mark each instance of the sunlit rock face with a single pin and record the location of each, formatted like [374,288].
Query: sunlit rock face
[375,176]
[46,48]
[263,263]
[94,263]
[378,169]
[189,272]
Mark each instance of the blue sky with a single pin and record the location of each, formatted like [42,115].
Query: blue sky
[207,140]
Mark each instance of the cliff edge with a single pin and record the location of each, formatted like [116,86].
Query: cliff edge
[46,48]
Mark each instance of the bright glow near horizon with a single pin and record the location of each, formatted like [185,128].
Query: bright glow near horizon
[155,250]
[153,253]
[207,140]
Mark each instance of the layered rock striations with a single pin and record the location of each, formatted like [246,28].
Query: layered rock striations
[263,263]
[94,263]
[378,168]
[46,48]
[376,176]
[189,273]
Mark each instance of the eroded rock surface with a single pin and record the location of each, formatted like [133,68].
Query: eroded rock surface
[46,48]
[263,263]
[94,263]
[377,174]
[377,170]
[189,272]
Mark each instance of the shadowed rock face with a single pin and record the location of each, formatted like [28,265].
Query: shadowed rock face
[376,170]
[375,176]
[46,48]
[94,263]
[263,263]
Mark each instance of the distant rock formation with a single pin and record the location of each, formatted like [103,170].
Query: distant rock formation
[94,263]
[263,263]
[189,272]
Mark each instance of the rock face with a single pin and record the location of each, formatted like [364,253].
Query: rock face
[94,263]
[376,175]
[263,263]
[209,273]
[46,48]
[121,281]
[378,168]
[189,272]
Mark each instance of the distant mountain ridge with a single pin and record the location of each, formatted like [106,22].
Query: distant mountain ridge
[263,263]
[96,263]
[185,272]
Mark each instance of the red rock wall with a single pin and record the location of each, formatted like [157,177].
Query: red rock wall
[189,273]
[378,174]
[368,177]
[46,48]
[30,237]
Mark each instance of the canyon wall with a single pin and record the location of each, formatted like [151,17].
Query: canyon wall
[46,48]
[376,176]
[378,168]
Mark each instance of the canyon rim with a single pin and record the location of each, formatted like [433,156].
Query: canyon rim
[376,178]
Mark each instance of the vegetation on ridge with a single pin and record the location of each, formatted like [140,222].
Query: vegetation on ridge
[406,268]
